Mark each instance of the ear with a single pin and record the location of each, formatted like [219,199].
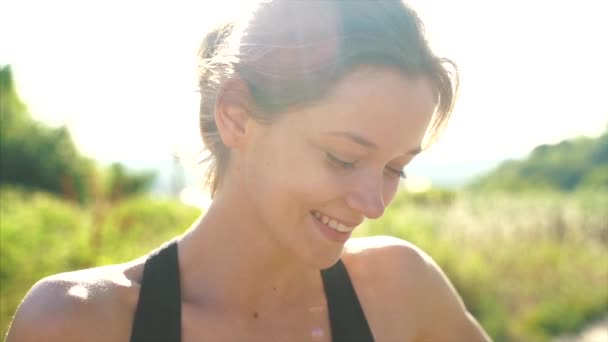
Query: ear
[232,112]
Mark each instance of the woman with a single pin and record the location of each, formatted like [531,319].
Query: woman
[310,111]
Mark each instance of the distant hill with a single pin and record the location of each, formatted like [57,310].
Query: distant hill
[573,164]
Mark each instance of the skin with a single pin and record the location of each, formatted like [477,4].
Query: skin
[255,275]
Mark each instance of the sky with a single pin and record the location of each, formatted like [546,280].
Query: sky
[122,74]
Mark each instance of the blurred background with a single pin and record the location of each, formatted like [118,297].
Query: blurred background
[99,150]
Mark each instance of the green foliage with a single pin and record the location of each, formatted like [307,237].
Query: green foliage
[36,156]
[42,234]
[431,197]
[528,267]
[141,224]
[567,166]
[121,183]
[12,111]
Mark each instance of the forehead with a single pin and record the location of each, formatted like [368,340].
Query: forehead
[382,104]
[384,91]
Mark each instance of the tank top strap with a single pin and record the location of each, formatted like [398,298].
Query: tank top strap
[347,320]
[158,313]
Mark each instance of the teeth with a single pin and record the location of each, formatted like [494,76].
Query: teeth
[332,223]
[342,228]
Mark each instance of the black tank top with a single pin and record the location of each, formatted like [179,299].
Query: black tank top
[158,313]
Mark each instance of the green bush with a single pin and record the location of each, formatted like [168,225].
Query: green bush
[528,267]
[137,225]
[35,155]
[573,164]
[41,234]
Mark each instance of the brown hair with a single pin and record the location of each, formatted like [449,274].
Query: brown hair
[290,53]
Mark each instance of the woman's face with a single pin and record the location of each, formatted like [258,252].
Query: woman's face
[317,172]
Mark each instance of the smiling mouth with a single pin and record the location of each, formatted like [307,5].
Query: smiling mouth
[331,222]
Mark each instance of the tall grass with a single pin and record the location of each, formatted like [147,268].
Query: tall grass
[41,235]
[528,267]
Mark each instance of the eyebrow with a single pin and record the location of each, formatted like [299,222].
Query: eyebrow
[367,143]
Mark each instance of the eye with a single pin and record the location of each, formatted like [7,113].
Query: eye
[339,162]
[399,173]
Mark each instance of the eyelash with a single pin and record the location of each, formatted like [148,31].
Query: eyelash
[400,173]
[350,165]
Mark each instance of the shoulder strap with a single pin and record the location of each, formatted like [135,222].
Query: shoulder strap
[158,313]
[348,323]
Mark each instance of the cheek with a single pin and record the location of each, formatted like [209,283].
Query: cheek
[261,174]
[389,190]
[286,181]
[314,184]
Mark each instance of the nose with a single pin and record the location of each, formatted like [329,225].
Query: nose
[367,198]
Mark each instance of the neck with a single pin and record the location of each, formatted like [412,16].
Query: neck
[228,259]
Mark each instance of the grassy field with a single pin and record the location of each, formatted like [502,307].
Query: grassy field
[528,267]
[42,235]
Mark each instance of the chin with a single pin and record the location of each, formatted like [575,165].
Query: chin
[322,259]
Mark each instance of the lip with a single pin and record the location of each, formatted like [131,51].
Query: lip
[329,233]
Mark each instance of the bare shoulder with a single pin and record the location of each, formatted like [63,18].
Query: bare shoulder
[395,260]
[96,304]
[399,270]
[392,266]
[399,278]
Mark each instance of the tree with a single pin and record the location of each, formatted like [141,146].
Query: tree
[569,165]
[35,155]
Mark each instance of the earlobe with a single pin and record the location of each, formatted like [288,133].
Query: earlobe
[232,113]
